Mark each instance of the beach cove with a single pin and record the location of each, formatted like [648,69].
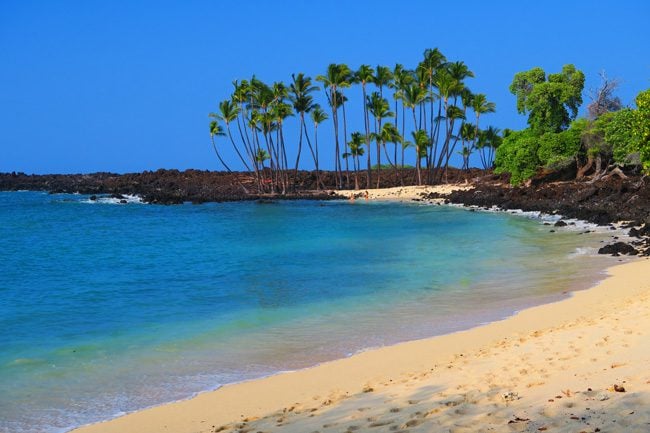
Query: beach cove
[95,365]
[577,364]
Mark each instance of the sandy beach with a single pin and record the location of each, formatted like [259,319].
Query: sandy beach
[578,365]
[402,193]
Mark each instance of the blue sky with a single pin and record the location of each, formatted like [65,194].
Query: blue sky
[126,86]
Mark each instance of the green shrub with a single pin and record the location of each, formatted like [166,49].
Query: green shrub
[517,155]
[620,134]
[558,149]
[642,127]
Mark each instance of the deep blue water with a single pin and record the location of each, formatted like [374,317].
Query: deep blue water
[108,308]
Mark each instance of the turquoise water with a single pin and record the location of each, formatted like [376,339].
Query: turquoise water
[109,308]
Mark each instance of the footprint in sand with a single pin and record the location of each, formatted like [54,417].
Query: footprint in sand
[381,423]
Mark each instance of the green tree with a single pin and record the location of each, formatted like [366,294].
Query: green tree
[517,155]
[550,102]
[556,150]
[642,127]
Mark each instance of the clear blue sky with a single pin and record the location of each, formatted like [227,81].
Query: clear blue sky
[126,86]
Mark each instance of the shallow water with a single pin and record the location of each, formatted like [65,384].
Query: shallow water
[108,308]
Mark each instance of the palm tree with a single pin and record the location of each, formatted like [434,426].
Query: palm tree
[402,78]
[448,87]
[488,141]
[382,78]
[318,116]
[280,112]
[356,150]
[433,61]
[364,75]
[217,130]
[459,71]
[480,105]
[337,77]
[388,134]
[380,109]
[413,96]
[467,134]
[303,102]
[453,113]
[241,97]
[422,142]
[341,99]
[228,112]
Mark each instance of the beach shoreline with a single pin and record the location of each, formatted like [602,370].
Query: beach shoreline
[403,193]
[504,383]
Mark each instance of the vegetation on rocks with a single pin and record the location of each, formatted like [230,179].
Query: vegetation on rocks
[611,140]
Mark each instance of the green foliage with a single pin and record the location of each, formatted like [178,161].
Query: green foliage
[551,102]
[517,155]
[619,128]
[422,142]
[628,132]
[558,148]
[593,136]
[642,127]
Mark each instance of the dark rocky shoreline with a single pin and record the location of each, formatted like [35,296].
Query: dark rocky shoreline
[603,202]
[625,201]
[157,187]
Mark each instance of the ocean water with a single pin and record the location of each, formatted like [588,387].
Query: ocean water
[106,308]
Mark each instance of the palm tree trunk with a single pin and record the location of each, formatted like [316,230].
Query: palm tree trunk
[318,180]
[313,154]
[337,160]
[216,151]
[366,121]
[397,128]
[235,147]
[432,157]
[302,123]
[378,128]
[345,142]
[403,132]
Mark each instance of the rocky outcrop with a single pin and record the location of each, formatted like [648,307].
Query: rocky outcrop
[618,248]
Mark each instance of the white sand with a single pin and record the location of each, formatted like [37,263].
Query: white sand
[549,368]
[402,193]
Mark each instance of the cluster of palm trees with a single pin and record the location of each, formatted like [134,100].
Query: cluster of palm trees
[430,106]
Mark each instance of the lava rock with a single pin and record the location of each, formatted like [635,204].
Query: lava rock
[618,248]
